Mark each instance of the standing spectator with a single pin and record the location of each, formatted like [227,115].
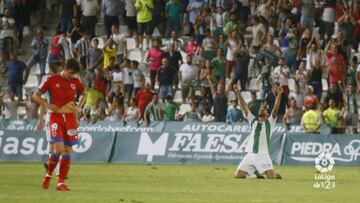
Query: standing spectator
[191,116]
[310,98]
[109,50]
[302,76]
[174,10]
[75,34]
[39,45]
[158,17]
[93,60]
[194,8]
[270,100]
[116,110]
[144,97]
[154,111]
[351,75]
[120,41]
[174,57]
[333,117]
[328,18]
[68,11]
[81,49]
[311,121]
[209,44]
[336,64]
[351,109]
[234,114]
[356,31]
[144,18]
[307,13]
[15,74]
[218,65]
[154,56]
[315,56]
[132,113]
[232,26]
[55,49]
[187,73]
[298,95]
[241,65]
[220,99]
[258,32]
[89,9]
[66,46]
[191,47]
[205,70]
[293,115]
[170,109]
[281,75]
[7,35]
[138,76]
[335,94]
[31,107]
[128,72]
[110,11]
[164,77]
[207,117]
[20,14]
[231,46]
[11,106]
[131,17]
[266,81]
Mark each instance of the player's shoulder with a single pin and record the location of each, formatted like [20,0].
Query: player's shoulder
[50,78]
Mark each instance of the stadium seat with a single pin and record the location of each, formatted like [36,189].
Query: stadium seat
[292,85]
[135,55]
[123,29]
[184,108]
[178,97]
[254,85]
[131,43]
[258,95]
[246,95]
[325,85]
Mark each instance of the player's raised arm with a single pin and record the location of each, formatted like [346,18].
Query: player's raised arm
[277,102]
[242,102]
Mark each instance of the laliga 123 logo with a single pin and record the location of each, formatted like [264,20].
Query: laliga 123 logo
[324,163]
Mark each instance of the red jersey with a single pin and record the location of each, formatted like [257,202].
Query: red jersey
[158,56]
[143,98]
[61,91]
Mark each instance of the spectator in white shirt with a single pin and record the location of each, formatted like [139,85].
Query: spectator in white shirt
[281,75]
[187,74]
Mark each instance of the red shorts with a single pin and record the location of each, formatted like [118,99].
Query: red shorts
[63,128]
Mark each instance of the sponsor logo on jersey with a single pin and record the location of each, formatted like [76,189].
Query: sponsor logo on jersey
[72,132]
[73,86]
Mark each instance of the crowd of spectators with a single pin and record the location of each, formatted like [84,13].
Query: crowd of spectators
[202,48]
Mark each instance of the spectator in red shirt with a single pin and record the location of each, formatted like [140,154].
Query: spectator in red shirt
[310,98]
[191,47]
[144,97]
[154,56]
[336,63]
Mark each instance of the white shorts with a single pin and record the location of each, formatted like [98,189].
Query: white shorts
[47,126]
[259,162]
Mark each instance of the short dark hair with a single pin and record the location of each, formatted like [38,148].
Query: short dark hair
[135,62]
[72,64]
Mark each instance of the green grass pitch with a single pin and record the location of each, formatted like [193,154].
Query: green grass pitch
[21,182]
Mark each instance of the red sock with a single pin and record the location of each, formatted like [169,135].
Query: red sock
[64,167]
[54,159]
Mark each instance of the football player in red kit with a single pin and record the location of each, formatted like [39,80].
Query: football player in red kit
[64,90]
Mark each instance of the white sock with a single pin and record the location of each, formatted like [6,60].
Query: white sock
[252,176]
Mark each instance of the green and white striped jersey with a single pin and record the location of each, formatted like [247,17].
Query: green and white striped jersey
[259,139]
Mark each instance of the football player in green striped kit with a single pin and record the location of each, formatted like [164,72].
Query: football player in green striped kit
[257,160]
